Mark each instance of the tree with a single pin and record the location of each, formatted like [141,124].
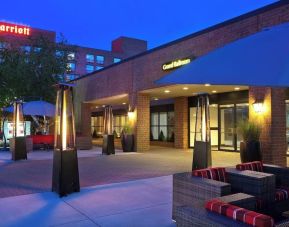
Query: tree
[32,71]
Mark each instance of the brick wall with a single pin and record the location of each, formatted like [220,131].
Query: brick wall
[181,122]
[273,122]
[142,123]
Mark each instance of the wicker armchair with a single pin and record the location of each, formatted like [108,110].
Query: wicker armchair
[194,191]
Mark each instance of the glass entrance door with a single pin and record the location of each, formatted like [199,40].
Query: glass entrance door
[227,128]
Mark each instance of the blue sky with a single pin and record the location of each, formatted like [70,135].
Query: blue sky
[94,23]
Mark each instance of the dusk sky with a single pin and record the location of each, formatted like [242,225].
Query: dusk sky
[94,23]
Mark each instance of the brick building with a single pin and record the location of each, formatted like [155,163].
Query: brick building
[165,114]
[83,60]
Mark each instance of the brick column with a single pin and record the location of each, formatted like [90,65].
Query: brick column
[85,119]
[273,121]
[142,107]
[181,122]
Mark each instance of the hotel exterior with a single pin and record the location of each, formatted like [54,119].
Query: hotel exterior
[164,115]
[82,60]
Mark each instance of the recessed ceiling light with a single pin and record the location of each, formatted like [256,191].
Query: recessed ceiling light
[156,99]
[214,91]
[96,107]
[207,85]
[237,88]
[103,105]
[185,88]
[167,91]
[124,103]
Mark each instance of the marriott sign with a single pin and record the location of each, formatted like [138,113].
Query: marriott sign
[14,29]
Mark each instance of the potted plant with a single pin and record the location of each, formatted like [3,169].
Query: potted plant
[250,149]
[127,139]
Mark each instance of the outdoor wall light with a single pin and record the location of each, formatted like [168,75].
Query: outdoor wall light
[258,106]
[18,142]
[65,177]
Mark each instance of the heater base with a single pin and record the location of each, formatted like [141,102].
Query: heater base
[65,178]
[18,148]
[202,155]
[108,144]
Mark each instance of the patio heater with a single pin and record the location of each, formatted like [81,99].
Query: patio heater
[65,177]
[202,147]
[108,137]
[18,142]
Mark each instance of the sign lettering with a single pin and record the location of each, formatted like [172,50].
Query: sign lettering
[14,29]
[176,64]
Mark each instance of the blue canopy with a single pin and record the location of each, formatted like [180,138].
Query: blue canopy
[40,108]
[261,59]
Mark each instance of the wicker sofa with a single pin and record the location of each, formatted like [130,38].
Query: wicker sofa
[192,191]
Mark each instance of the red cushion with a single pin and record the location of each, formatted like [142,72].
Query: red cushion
[240,214]
[216,173]
[282,194]
[254,166]
[43,139]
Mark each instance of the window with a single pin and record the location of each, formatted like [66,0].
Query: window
[119,122]
[59,53]
[96,126]
[70,67]
[89,68]
[162,126]
[71,77]
[89,58]
[99,59]
[116,60]
[71,56]
[98,67]
[4,45]
[37,49]
[26,49]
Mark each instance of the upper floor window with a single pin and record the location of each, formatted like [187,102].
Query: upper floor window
[89,58]
[3,45]
[70,67]
[59,53]
[71,56]
[37,49]
[98,67]
[99,59]
[71,77]
[89,68]
[116,60]
[26,49]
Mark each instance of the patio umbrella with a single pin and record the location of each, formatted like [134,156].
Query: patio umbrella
[108,121]
[40,108]
[261,59]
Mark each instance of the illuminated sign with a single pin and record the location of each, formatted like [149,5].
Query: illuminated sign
[14,29]
[176,64]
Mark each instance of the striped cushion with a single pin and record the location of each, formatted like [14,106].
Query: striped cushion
[240,214]
[217,173]
[282,194]
[254,166]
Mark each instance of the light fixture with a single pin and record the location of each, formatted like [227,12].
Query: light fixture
[214,91]
[124,103]
[185,88]
[103,106]
[258,106]
[207,85]
[167,91]
[236,88]
[65,177]
[156,99]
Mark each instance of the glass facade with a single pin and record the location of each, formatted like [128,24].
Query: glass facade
[162,126]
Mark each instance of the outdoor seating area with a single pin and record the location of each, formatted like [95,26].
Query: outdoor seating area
[250,194]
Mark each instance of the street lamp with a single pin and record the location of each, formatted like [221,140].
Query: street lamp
[202,145]
[18,142]
[65,178]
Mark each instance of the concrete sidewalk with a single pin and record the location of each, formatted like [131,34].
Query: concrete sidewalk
[146,202]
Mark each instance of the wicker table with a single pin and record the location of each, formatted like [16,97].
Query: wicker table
[240,199]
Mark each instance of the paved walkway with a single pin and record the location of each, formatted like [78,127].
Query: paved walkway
[140,203]
[34,175]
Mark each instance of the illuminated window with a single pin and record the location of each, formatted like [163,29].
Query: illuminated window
[70,67]
[162,126]
[71,56]
[26,49]
[89,58]
[116,60]
[89,68]
[37,49]
[59,53]
[98,67]
[99,59]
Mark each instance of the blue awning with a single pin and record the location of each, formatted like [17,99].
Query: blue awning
[261,59]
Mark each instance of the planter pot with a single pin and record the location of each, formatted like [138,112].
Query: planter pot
[127,142]
[250,151]
[108,145]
